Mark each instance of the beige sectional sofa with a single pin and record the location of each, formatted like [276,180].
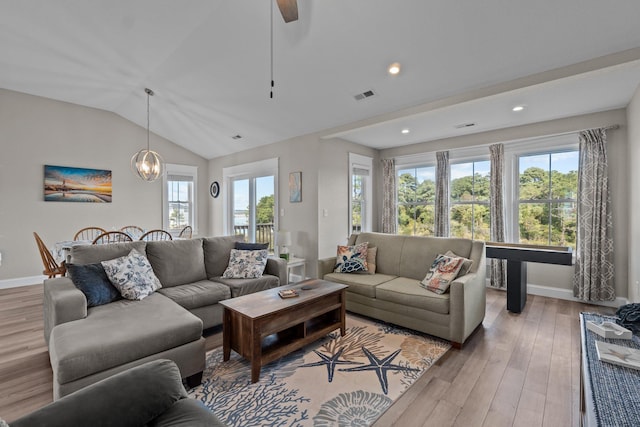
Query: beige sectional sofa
[393,293]
[87,344]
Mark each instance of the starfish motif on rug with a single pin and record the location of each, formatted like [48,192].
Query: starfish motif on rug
[330,362]
[380,367]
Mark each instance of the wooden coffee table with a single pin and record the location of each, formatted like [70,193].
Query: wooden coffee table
[263,327]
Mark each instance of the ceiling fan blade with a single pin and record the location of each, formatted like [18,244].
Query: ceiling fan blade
[288,9]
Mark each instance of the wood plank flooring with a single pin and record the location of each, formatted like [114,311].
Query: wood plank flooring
[516,370]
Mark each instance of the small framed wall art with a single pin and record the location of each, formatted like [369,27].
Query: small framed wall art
[295,187]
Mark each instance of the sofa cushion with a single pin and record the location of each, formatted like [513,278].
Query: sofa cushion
[89,254]
[388,253]
[216,253]
[198,294]
[364,284]
[247,264]
[132,275]
[404,291]
[177,262]
[94,283]
[351,259]
[241,287]
[132,329]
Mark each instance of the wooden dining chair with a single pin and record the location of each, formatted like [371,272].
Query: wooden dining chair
[133,230]
[51,267]
[156,235]
[112,237]
[89,233]
[186,232]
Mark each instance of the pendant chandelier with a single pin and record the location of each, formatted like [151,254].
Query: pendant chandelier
[145,163]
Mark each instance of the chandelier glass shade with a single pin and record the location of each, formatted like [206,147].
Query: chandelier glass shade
[145,163]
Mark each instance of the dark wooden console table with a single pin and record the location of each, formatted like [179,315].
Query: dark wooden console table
[517,256]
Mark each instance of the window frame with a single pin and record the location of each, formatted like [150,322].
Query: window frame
[253,170]
[530,147]
[357,161]
[429,162]
[183,170]
[473,159]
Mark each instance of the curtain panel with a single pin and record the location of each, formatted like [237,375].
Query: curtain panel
[594,272]
[443,175]
[389,209]
[498,268]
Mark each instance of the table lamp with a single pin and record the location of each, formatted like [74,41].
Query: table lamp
[284,240]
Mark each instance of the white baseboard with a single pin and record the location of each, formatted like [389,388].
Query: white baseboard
[21,281]
[566,294]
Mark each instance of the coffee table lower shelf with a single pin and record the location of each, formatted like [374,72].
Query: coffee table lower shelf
[265,336]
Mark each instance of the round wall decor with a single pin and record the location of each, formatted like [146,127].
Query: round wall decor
[214,189]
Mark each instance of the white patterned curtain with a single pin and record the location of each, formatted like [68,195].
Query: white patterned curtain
[593,277]
[389,209]
[443,173]
[497,213]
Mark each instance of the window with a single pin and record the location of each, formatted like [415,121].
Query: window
[547,198]
[416,200]
[469,191]
[180,197]
[361,193]
[251,201]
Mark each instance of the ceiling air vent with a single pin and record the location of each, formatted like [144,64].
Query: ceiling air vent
[236,137]
[464,125]
[364,95]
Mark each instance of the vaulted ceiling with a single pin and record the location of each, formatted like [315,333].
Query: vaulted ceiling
[209,63]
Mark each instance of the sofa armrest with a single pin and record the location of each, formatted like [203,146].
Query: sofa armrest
[326,266]
[62,303]
[467,304]
[130,398]
[277,267]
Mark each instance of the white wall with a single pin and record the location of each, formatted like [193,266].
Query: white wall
[618,148]
[35,131]
[633,122]
[325,178]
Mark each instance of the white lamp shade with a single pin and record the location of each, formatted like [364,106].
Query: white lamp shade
[284,238]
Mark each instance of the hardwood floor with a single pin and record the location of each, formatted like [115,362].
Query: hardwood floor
[515,370]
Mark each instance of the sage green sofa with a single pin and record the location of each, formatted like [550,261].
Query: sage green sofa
[393,293]
[88,344]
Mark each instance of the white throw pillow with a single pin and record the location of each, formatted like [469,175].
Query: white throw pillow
[246,264]
[132,275]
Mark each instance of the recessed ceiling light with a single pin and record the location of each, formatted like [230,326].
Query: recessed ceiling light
[394,68]
[405,131]
[518,108]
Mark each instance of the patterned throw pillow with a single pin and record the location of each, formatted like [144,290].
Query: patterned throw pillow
[92,280]
[132,275]
[466,265]
[443,271]
[351,259]
[246,264]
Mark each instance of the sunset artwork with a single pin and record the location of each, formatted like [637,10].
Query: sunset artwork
[67,184]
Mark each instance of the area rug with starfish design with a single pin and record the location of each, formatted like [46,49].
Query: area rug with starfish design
[336,381]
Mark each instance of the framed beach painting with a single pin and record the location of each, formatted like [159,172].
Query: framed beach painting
[68,184]
[295,187]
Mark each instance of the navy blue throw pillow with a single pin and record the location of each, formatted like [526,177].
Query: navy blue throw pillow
[243,246]
[92,280]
